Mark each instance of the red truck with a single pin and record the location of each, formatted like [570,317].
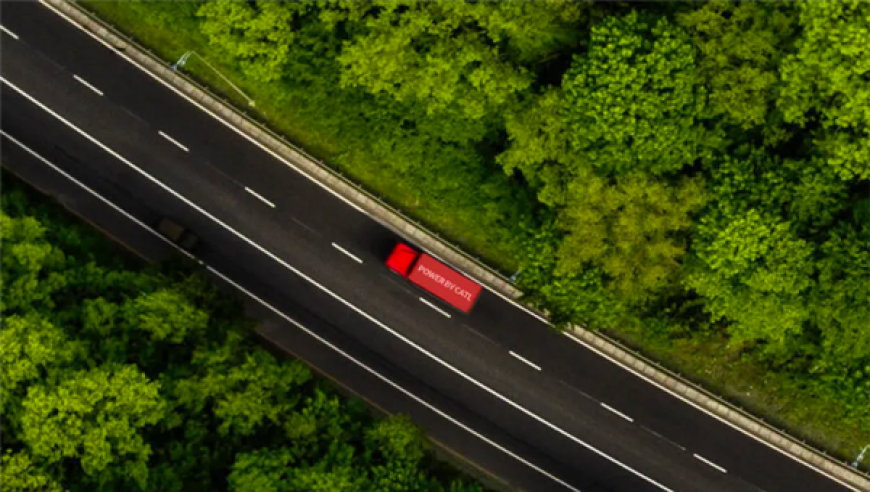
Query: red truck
[434,277]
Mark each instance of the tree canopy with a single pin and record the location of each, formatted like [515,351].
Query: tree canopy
[825,84]
[682,175]
[121,376]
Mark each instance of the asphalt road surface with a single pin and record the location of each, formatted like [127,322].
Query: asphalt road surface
[498,387]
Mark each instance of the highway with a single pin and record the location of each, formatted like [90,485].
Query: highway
[498,386]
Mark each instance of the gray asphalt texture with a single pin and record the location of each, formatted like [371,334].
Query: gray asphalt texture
[660,443]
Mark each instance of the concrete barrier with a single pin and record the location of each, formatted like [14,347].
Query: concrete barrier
[321,174]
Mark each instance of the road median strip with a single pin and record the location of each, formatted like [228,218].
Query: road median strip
[366,203]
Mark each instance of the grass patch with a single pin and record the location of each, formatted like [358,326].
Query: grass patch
[725,371]
[706,361]
[178,34]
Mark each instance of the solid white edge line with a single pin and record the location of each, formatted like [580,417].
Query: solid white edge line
[262,147]
[355,206]
[526,361]
[203,108]
[255,142]
[518,305]
[7,31]
[708,413]
[299,325]
[494,291]
[424,301]
[87,84]
[705,460]
[267,202]
[617,412]
[348,253]
[176,142]
[89,190]
[347,303]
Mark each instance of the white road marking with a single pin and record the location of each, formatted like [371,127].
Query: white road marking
[262,147]
[709,413]
[518,356]
[89,190]
[335,296]
[617,412]
[297,324]
[348,253]
[518,305]
[203,108]
[87,84]
[7,31]
[424,301]
[714,465]
[355,206]
[176,142]
[504,297]
[267,202]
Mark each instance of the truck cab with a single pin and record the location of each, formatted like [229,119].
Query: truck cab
[435,277]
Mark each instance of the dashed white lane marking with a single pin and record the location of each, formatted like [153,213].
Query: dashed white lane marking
[302,327]
[518,356]
[347,303]
[252,140]
[703,410]
[499,294]
[176,142]
[201,107]
[88,84]
[617,412]
[348,253]
[267,202]
[7,31]
[358,208]
[714,465]
[445,313]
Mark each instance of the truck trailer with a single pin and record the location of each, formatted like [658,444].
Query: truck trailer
[434,277]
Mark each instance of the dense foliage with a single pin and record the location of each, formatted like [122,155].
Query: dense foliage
[687,171]
[117,376]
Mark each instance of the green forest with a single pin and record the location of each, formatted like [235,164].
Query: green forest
[693,178]
[118,375]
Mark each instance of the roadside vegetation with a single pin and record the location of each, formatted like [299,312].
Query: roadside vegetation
[118,375]
[692,178]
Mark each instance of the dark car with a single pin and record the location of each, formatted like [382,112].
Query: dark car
[177,234]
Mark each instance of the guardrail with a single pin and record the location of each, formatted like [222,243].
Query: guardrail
[724,408]
[617,351]
[491,276]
